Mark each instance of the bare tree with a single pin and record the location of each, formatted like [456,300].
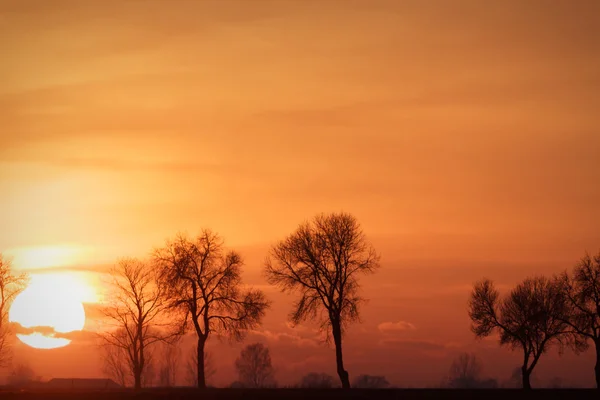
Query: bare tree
[556,383]
[169,356]
[115,363]
[149,375]
[22,375]
[582,290]
[528,318]
[465,371]
[136,313]
[204,283]
[254,366]
[316,380]
[10,286]
[322,260]
[192,367]
[370,382]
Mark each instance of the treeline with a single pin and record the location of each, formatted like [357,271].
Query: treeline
[253,366]
[541,312]
[194,285]
[466,372]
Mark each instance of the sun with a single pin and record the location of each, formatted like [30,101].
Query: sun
[50,307]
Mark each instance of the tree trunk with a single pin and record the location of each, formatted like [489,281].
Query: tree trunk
[137,378]
[337,338]
[597,367]
[200,367]
[526,374]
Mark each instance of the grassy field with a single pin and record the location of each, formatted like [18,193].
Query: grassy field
[298,394]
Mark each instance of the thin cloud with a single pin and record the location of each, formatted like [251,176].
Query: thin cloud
[392,327]
[116,164]
[300,328]
[100,269]
[424,345]
[282,337]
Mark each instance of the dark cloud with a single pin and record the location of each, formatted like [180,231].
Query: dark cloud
[79,336]
[44,330]
[75,336]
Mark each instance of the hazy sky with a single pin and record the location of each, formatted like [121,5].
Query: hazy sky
[464,135]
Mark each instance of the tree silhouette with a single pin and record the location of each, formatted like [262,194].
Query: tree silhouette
[322,260]
[22,375]
[316,380]
[149,375]
[204,283]
[556,383]
[115,364]
[370,382]
[169,355]
[582,290]
[528,318]
[136,313]
[254,366]
[465,371]
[10,286]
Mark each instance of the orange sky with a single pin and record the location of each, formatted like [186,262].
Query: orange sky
[463,135]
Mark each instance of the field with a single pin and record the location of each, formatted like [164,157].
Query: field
[300,394]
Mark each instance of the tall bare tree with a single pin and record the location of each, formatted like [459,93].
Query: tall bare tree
[322,261]
[254,366]
[136,314]
[10,286]
[204,283]
[529,318]
[582,290]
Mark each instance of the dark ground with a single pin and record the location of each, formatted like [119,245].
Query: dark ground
[298,394]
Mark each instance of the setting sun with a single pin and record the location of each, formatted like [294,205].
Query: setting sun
[48,308]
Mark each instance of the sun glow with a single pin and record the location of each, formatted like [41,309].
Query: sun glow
[47,256]
[49,308]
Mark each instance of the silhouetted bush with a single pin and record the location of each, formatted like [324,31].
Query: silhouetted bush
[317,380]
[254,367]
[370,382]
